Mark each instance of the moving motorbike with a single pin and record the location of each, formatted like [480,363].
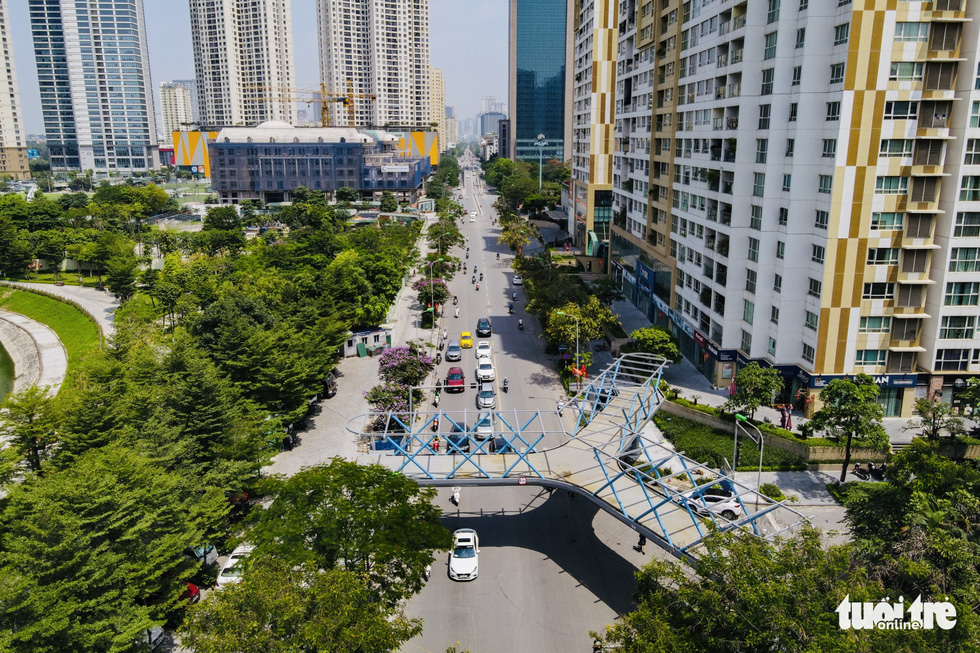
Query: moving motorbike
[510,308]
[520,324]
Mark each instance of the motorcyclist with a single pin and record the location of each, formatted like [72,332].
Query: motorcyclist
[510,308]
[513,295]
[520,324]
[457,311]
[473,279]
[498,256]
[481,276]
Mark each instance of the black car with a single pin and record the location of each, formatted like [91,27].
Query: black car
[483,327]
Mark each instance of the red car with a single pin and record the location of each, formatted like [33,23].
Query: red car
[455,381]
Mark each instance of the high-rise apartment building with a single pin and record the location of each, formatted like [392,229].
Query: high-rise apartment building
[377,48]
[814,199]
[593,113]
[452,130]
[539,78]
[489,123]
[13,150]
[437,106]
[175,107]
[243,61]
[492,104]
[94,78]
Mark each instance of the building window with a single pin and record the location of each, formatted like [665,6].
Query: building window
[804,4]
[780,249]
[746,345]
[797,75]
[811,320]
[777,283]
[753,254]
[761,149]
[906,32]
[826,184]
[972,157]
[787,181]
[822,219]
[962,293]
[814,287]
[770,51]
[790,145]
[774,315]
[906,71]
[883,256]
[767,77]
[964,259]
[837,73]
[755,218]
[765,110]
[957,327]
[840,33]
[750,280]
[829,148]
[783,216]
[878,291]
[970,188]
[817,254]
[967,225]
[891,186]
[792,111]
[887,221]
[870,356]
[809,353]
[875,325]
[748,311]
[759,183]
[773,15]
[952,359]
[800,37]
[975,114]
[901,110]
[772,346]
[833,111]
[901,147]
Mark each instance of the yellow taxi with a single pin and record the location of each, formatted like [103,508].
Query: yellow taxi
[466,340]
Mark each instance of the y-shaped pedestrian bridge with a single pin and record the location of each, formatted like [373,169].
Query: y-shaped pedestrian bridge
[601,444]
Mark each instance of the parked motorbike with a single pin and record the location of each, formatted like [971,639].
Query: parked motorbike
[860,472]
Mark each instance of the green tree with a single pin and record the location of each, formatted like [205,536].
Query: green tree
[15,250]
[222,218]
[389,203]
[362,518]
[84,549]
[517,235]
[28,425]
[592,316]
[655,340]
[754,386]
[935,418]
[277,609]
[121,273]
[850,410]
[607,290]
[346,195]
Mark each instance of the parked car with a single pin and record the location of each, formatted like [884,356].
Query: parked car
[484,350]
[330,385]
[464,559]
[483,328]
[466,340]
[484,370]
[192,593]
[231,573]
[718,502]
[453,351]
[455,380]
[205,553]
[485,397]
[518,280]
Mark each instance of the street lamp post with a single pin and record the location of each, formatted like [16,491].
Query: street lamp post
[578,378]
[741,421]
[432,297]
[540,143]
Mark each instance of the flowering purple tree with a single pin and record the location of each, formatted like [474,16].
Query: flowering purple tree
[436,291]
[404,365]
[388,397]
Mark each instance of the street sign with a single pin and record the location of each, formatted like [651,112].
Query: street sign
[522,481]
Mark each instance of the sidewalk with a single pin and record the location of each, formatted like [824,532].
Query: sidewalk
[99,305]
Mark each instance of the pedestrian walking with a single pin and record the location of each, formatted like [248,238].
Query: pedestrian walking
[789,417]
[641,544]
[782,416]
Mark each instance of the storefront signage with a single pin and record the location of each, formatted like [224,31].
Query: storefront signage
[884,380]
[394,168]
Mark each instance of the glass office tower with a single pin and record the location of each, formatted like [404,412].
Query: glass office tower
[538,35]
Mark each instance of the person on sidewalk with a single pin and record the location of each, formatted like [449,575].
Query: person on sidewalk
[641,544]
[789,417]
[782,416]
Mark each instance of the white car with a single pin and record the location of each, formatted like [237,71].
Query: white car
[484,426]
[484,370]
[485,396]
[464,559]
[518,280]
[718,502]
[231,573]
[483,350]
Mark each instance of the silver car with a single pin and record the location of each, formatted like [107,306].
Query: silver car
[718,502]
[485,397]
[453,351]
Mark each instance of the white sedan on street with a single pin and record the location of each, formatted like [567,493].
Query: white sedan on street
[464,559]
[231,573]
[518,280]
[484,370]
[483,350]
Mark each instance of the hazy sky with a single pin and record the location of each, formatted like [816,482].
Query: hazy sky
[468,41]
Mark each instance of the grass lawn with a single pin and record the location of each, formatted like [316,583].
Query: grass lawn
[70,278]
[77,332]
[713,447]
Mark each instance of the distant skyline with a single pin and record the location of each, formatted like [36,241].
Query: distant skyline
[468,42]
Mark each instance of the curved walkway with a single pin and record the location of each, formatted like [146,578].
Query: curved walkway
[100,305]
[38,355]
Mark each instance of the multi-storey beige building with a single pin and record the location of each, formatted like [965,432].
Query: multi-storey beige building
[243,61]
[13,150]
[379,50]
[437,105]
[814,190]
[175,108]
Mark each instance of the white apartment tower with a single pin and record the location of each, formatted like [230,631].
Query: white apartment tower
[814,199]
[175,107]
[94,78]
[243,61]
[13,151]
[377,50]
[437,106]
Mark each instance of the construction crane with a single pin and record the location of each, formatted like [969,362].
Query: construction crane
[326,99]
